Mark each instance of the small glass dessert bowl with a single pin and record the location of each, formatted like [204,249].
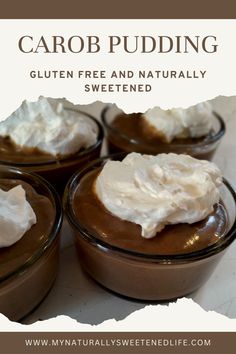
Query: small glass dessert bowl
[51,138]
[170,265]
[130,132]
[29,262]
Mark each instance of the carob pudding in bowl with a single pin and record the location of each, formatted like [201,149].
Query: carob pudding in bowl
[30,223]
[151,227]
[51,138]
[196,131]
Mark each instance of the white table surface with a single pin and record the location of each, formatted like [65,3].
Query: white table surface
[78,296]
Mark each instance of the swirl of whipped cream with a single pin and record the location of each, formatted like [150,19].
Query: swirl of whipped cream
[154,191]
[16,215]
[48,126]
[193,122]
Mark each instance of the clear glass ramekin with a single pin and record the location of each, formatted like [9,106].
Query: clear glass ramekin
[25,285]
[117,141]
[58,170]
[142,276]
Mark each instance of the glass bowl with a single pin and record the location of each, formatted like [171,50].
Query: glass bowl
[143,276]
[119,141]
[58,170]
[28,272]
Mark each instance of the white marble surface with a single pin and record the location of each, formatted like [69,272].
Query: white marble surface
[77,295]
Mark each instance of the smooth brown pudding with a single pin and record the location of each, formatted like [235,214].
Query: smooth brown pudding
[29,267]
[135,127]
[9,151]
[131,133]
[143,140]
[174,239]
[172,264]
[19,253]
[56,169]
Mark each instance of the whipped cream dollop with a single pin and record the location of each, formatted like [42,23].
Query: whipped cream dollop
[193,122]
[16,215]
[154,191]
[47,125]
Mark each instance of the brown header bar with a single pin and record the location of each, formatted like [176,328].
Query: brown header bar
[118,9]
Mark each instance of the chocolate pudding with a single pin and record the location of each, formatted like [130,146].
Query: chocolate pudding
[29,266]
[174,239]
[14,256]
[133,126]
[128,133]
[12,152]
[58,168]
[172,264]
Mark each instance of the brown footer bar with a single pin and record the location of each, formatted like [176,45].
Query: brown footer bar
[128,342]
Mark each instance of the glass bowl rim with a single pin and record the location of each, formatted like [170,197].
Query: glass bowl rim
[54,233]
[162,259]
[66,158]
[212,139]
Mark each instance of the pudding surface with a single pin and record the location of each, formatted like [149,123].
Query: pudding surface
[35,238]
[173,240]
[134,127]
[11,152]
